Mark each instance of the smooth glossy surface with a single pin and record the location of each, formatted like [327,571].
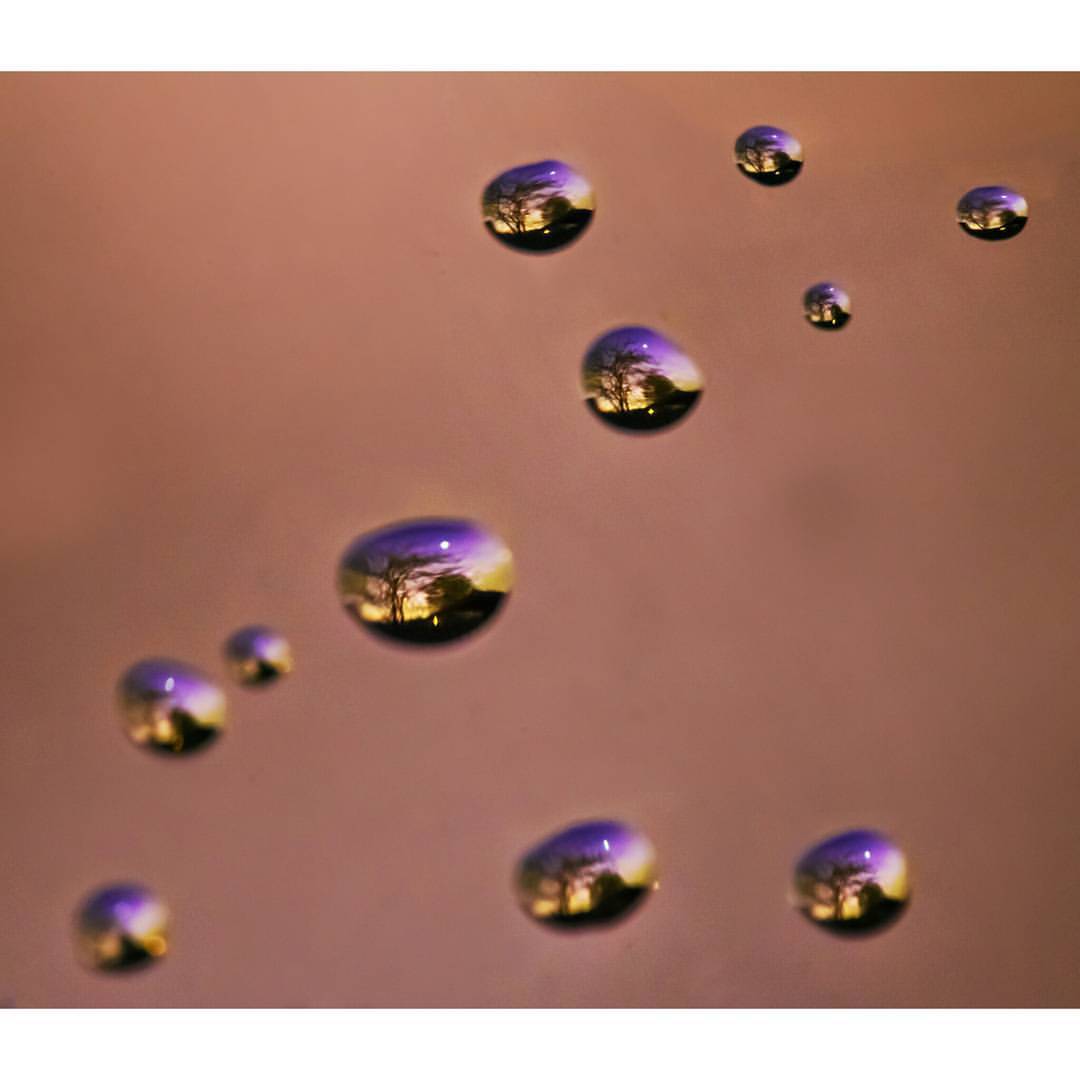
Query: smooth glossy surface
[538,207]
[992,213]
[826,306]
[121,927]
[853,882]
[170,706]
[427,581]
[258,655]
[768,155]
[636,379]
[589,874]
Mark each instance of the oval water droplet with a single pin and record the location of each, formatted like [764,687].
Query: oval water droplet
[853,882]
[590,874]
[169,706]
[992,213]
[826,306]
[425,582]
[258,655]
[538,207]
[121,927]
[768,155]
[636,379]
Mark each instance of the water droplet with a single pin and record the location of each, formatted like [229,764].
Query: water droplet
[587,875]
[402,583]
[826,306]
[538,207]
[121,927]
[636,379]
[852,882]
[992,213]
[257,655]
[768,155]
[170,706]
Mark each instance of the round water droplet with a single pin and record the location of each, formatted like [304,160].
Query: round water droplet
[636,379]
[426,582]
[826,306]
[170,706]
[992,213]
[538,207]
[852,882]
[257,655]
[587,875]
[768,155]
[121,927]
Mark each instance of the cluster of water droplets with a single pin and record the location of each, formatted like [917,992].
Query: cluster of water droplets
[432,581]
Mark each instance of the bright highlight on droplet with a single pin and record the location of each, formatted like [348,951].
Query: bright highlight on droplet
[853,882]
[425,582]
[121,927]
[588,875]
[169,706]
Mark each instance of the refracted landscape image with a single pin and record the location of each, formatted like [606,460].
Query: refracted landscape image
[169,706]
[992,213]
[826,306]
[427,581]
[258,655]
[852,883]
[637,379]
[538,207]
[121,927]
[587,875]
[768,155]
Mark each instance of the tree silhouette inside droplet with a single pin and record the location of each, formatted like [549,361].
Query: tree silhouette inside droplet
[539,207]
[590,874]
[853,882]
[768,155]
[425,582]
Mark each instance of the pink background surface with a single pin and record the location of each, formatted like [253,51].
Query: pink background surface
[245,318]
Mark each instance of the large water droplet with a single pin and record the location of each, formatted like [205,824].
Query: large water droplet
[826,306]
[587,875]
[852,882]
[636,379]
[538,207]
[170,706]
[992,213]
[768,155]
[427,581]
[257,655]
[121,927]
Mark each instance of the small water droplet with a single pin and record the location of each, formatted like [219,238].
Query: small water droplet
[401,582]
[992,213]
[636,379]
[826,306]
[853,882]
[169,706]
[258,655]
[768,155]
[590,874]
[121,927]
[538,207]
